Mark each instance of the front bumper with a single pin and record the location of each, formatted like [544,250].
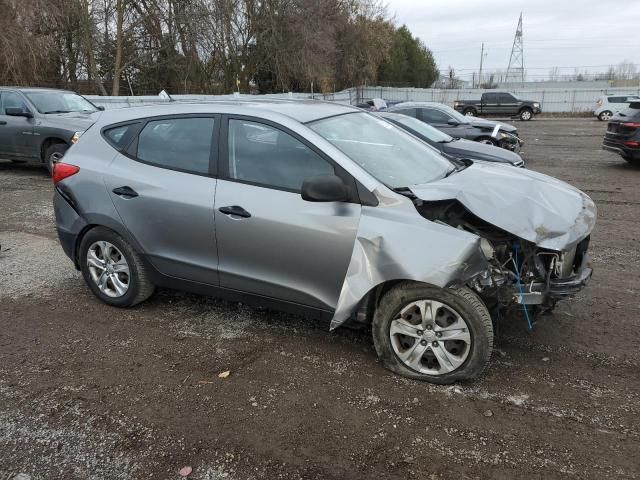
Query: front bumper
[539,293]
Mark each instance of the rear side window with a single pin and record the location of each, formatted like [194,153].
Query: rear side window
[119,136]
[263,155]
[182,144]
[490,98]
[617,99]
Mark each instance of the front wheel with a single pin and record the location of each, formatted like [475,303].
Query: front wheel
[433,334]
[114,272]
[605,116]
[526,114]
[54,154]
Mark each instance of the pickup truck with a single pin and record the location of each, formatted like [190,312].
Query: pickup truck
[498,103]
[38,125]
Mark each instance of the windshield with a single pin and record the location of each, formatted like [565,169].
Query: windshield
[385,151]
[60,102]
[423,129]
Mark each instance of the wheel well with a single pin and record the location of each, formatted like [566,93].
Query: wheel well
[526,107]
[76,247]
[472,108]
[369,303]
[47,143]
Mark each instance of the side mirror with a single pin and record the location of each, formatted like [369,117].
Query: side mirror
[100,108]
[324,188]
[18,112]
[453,122]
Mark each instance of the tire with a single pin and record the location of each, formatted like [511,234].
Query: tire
[525,114]
[469,112]
[53,154]
[136,277]
[397,304]
[605,116]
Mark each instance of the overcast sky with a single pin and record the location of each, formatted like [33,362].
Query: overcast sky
[562,33]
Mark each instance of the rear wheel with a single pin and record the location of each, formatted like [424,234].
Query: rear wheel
[54,154]
[433,334]
[113,271]
[469,112]
[526,114]
[605,116]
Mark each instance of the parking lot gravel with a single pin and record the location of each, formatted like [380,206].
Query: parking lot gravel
[93,392]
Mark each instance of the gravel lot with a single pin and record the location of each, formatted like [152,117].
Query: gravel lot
[88,391]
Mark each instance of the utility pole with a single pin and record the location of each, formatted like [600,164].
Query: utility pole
[480,73]
[515,70]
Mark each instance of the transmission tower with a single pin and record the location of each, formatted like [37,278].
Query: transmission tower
[515,70]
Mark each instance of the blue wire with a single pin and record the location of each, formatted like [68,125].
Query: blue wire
[524,306]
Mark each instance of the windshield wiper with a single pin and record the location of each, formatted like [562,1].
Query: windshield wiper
[57,111]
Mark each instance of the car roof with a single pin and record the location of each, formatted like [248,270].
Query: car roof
[303,111]
[35,89]
[418,104]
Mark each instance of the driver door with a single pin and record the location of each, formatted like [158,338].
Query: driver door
[271,242]
[440,120]
[16,133]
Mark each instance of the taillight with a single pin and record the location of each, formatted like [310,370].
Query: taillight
[62,171]
[599,103]
[631,124]
[632,144]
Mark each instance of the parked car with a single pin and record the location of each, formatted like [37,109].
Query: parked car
[454,147]
[623,133]
[608,105]
[498,103]
[38,125]
[449,121]
[320,209]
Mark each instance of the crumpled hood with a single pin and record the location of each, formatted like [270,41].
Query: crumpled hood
[535,207]
[72,121]
[480,151]
[490,124]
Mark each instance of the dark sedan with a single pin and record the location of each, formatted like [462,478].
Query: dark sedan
[623,133]
[455,147]
[455,124]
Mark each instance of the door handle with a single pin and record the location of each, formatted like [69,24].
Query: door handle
[126,192]
[235,210]
[2,122]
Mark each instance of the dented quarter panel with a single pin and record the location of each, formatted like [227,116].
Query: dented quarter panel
[532,206]
[394,242]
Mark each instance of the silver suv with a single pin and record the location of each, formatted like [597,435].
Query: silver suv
[325,210]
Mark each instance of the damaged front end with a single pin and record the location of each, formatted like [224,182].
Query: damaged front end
[520,272]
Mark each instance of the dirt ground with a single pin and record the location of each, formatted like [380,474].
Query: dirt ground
[93,392]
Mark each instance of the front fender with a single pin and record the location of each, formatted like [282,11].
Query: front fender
[394,242]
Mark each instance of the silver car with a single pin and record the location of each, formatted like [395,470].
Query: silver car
[608,105]
[325,210]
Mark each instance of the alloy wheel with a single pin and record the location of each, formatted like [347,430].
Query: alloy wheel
[605,116]
[430,337]
[525,115]
[109,269]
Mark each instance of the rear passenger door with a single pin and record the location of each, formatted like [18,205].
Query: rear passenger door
[163,184]
[490,103]
[277,244]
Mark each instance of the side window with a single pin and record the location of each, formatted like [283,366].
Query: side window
[506,98]
[617,99]
[431,115]
[411,112]
[177,143]
[265,155]
[11,100]
[119,136]
[490,98]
